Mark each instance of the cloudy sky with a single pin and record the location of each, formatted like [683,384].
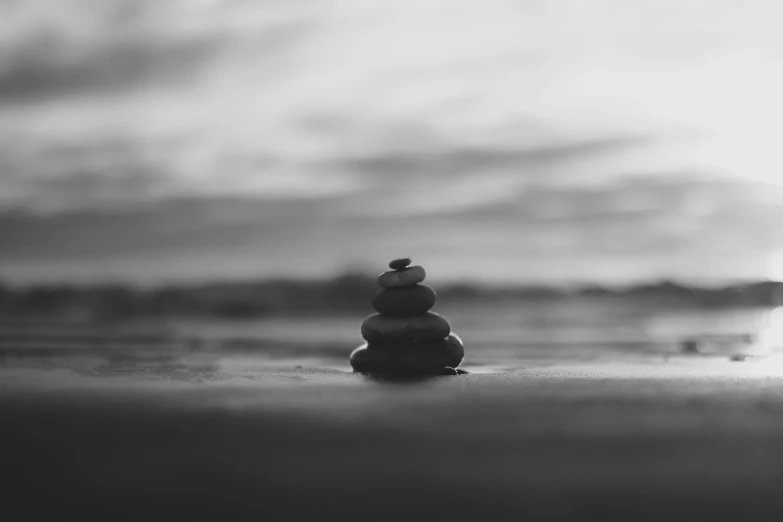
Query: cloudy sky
[527,141]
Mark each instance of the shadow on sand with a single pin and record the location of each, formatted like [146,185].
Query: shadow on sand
[407,378]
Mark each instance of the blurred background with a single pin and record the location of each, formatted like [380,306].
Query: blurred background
[567,172]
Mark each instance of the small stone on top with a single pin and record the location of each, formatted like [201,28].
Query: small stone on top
[399,263]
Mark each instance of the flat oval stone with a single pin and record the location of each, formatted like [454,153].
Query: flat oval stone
[406,301]
[406,277]
[399,263]
[410,358]
[426,327]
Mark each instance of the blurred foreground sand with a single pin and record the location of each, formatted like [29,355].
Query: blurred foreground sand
[686,439]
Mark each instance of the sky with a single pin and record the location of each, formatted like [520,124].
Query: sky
[502,141]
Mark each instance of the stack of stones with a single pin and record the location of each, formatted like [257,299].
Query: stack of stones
[405,337]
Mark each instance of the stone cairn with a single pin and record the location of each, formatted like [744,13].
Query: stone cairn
[405,337]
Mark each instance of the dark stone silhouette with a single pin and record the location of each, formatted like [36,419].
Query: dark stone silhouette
[404,337]
[405,301]
[400,262]
[426,327]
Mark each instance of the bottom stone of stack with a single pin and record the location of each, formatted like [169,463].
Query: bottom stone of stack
[424,357]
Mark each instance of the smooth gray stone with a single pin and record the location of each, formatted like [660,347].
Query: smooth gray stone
[426,327]
[428,357]
[399,278]
[407,301]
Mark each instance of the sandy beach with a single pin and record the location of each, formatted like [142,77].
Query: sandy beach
[688,438]
[218,218]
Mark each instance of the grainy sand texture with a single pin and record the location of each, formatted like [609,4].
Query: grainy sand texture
[685,439]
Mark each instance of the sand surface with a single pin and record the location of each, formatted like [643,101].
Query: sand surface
[696,438]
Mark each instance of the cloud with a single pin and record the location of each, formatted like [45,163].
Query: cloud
[646,229]
[113,47]
[440,162]
[36,72]
[163,138]
[306,82]
[107,171]
[60,175]
[434,180]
